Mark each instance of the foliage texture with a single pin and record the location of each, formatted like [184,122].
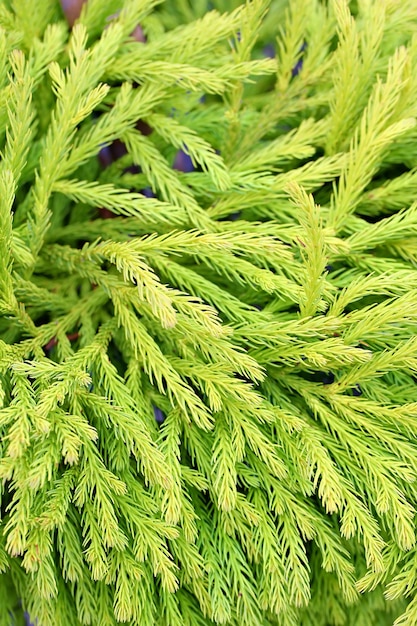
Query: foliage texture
[207,372]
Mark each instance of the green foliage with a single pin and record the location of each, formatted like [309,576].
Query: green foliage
[265,302]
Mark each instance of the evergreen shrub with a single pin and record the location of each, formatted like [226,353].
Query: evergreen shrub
[208,312]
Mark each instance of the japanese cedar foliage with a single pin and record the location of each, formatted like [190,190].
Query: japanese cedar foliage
[265,303]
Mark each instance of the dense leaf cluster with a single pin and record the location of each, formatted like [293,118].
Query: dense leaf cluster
[261,303]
